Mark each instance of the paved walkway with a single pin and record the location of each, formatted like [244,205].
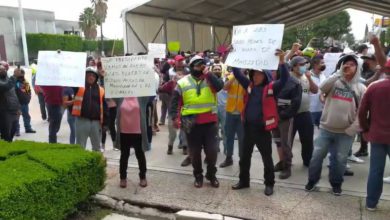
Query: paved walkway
[165,169]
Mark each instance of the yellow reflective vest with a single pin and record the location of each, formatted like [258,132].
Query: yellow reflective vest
[197,96]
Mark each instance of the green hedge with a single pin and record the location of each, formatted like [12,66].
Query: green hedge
[46,181]
[37,42]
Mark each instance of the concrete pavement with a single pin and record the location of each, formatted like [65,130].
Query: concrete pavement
[172,185]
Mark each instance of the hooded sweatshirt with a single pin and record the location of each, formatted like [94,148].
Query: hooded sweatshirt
[340,110]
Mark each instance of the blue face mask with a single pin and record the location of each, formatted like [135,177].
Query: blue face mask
[302,69]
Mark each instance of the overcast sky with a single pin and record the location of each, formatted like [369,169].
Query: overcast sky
[71,9]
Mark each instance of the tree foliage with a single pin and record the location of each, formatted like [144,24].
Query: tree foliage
[88,23]
[335,26]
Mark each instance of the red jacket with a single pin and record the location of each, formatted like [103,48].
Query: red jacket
[270,111]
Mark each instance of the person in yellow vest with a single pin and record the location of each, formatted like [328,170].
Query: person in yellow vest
[194,104]
[88,110]
[233,123]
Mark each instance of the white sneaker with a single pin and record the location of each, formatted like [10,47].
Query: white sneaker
[371,209]
[348,166]
[355,159]
[386,180]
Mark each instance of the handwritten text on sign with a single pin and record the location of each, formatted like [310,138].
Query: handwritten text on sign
[61,69]
[254,46]
[156,50]
[130,76]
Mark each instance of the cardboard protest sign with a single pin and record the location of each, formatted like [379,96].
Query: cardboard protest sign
[156,50]
[254,46]
[331,60]
[129,76]
[173,46]
[61,68]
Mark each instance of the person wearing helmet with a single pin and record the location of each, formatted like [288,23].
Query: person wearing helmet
[194,104]
[88,110]
[309,52]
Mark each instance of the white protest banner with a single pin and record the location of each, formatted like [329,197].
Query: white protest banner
[254,46]
[331,60]
[156,50]
[61,68]
[129,76]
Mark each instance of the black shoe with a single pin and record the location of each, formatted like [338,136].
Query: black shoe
[240,185]
[186,162]
[198,182]
[170,150]
[278,167]
[348,173]
[180,147]
[213,181]
[285,174]
[306,164]
[311,186]
[185,151]
[269,190]
[17,134]
[336,190]
[361,154]
[31,131]
[228,162]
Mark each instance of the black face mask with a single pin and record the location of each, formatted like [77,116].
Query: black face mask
[196,73]
[366,67]
[323,67]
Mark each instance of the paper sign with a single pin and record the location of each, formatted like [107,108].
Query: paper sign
[331,60]
[156,50]
[61,69]
[129,76]
[254,46]
[173,46]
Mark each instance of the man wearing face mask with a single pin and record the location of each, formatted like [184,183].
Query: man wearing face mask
[9,106]
[194,104]
[302,121]
[318,77]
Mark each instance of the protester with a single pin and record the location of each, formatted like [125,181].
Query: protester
[375,122]
[233,123]
[318,78]
[302,121]
[23,91]
[260,117]
[67,101]
[53,100]
[339,123]
[9,105]
[195,99]
[38,91]
[88,110]
[288,101]
[216,69]
[131,124]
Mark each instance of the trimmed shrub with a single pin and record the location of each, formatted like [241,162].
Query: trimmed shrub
[46,181]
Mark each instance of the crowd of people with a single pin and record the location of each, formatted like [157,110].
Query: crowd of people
[206,104]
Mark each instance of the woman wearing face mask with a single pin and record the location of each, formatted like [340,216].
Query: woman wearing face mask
[303,121]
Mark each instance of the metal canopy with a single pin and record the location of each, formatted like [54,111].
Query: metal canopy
[236,12]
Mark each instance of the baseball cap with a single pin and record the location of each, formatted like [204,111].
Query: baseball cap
[297,60]
[179,58]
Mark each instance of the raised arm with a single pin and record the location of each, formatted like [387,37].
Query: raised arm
[241,78]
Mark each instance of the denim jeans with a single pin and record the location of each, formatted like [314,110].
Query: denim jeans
[72,126]
[375,176]
[303,124]
[338,146]
[221,123]
[26,119]
[233,126]
[316,118]
[55,118]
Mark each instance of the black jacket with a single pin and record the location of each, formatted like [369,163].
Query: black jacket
[90,108]
[8,100]
[289,99]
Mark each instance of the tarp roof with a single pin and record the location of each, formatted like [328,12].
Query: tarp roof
[235,12]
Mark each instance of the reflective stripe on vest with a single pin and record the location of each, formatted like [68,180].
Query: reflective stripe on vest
[78,102]
[194,101]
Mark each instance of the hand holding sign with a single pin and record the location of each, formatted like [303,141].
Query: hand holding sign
[254,46]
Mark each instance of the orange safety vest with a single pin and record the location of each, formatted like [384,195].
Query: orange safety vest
[235,99]
[78,102]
